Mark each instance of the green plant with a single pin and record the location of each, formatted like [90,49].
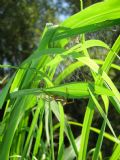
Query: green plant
[27,129]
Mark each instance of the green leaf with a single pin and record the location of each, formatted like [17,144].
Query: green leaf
[114,66]
[89,111]
[111,85]
[32,127]
[52,154]
[102,112]
[39,133]
[102,130]
[116,153]
[106,135]
[85,130]
[101,15]
[111,55]
[61,134]
[98,12]
[70,90]
[116,103]
[69,134]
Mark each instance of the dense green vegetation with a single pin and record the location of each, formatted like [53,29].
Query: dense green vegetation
[34,124]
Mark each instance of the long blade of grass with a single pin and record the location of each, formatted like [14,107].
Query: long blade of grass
[106,135]
[114,66]
[39,133]
[111,55]
[32,127]
[55,109]
[70,90]
[51,133]
[85,131]
[101,135]
[109,82]
[102,112]
[116,153]
[47,130]
[15,117]
[100,14]
[96,130]
[61,134]
[97,13]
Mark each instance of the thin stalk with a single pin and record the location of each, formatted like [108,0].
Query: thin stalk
[39,134]
[32,127]
[51,133]
[88,115]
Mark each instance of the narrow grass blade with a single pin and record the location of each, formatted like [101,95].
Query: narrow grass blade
[52,154]
[47,129]
[116,103]
[106,135]
[61,134]
[39,133]
[55,109]
[106,15]
[109,82]
[85,131]
[99,142]
[98,12]
[68,32]
[116,153]
[32,127]
[111,55]
[102,130]
[102,112]
[70,90]
[114,66]
[15,117]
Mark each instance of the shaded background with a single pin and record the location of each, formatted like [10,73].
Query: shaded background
[21,25]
